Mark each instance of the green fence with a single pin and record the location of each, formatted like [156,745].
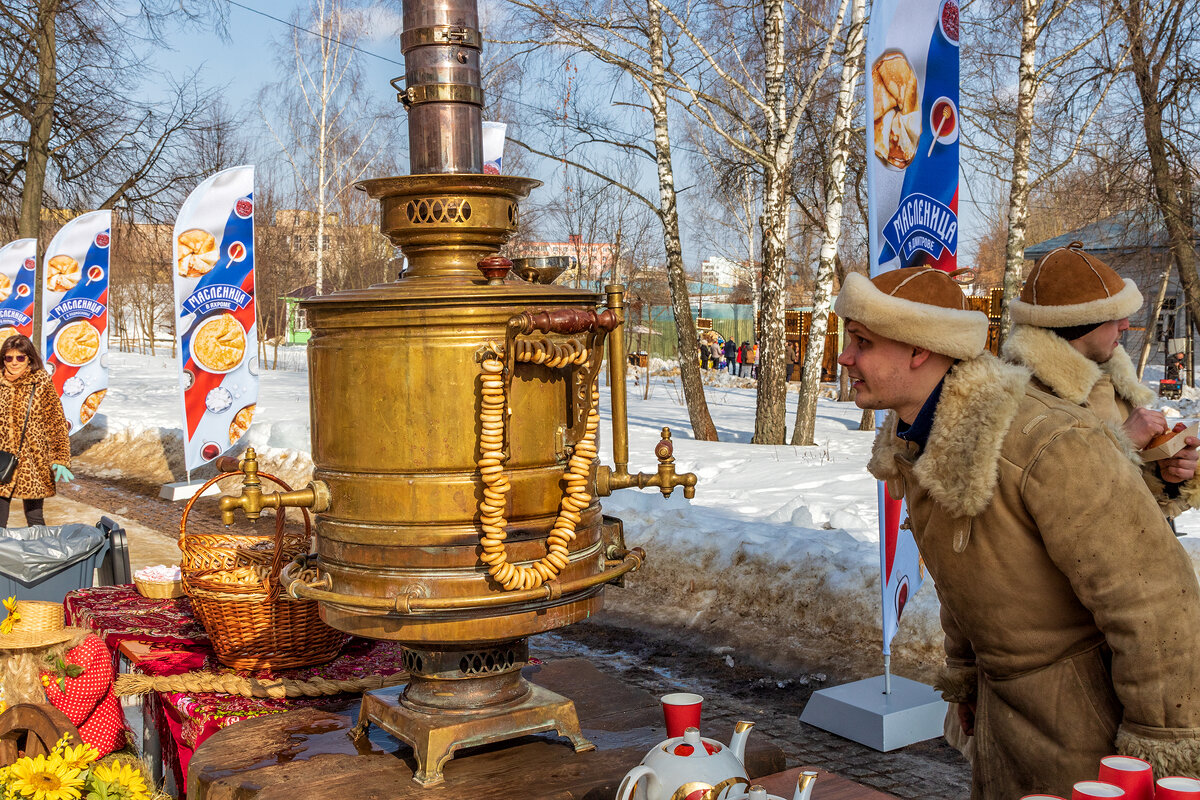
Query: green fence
[663,343]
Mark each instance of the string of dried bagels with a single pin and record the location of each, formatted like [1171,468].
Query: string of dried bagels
[576,496]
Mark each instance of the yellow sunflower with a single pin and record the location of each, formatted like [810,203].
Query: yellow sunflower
[13,617]
[123,780]
[44,778]
[78,757]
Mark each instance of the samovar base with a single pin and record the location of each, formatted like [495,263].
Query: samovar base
[464,698]
[435,737]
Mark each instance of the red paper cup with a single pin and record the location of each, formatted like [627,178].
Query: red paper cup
[681,710]
[1175,788]
[1089,790]
[1133,775]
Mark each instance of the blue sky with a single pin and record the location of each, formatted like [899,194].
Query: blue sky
[247,57]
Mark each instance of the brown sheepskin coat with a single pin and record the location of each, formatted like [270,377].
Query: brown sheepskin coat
[1110,391]
[46,440]
[1072,614]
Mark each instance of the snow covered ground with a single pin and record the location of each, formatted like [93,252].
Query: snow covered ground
[777,554]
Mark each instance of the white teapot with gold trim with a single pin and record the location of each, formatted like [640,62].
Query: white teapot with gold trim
[690,767]
[804,787]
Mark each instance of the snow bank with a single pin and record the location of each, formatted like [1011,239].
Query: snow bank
[777,555]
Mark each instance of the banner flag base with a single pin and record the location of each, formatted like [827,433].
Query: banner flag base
[185,490]
[861,712]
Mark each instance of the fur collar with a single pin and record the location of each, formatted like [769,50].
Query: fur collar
[1069,373]
[34,378]
[960,465]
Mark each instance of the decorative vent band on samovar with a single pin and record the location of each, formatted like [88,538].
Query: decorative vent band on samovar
[454,434]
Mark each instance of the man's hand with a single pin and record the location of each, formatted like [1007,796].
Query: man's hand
[1181,466]
[1143,425]
[966,718]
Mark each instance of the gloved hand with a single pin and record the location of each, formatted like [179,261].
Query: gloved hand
[61,473]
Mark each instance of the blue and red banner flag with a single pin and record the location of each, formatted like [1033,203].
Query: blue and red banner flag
[18,263]
[216,325]
[912,123]
[75,314]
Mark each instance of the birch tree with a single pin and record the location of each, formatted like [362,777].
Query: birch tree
[1029,140]
[835,191]
[322,123]
[629,37]
[718,94]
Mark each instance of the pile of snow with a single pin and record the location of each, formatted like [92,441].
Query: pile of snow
[777,555]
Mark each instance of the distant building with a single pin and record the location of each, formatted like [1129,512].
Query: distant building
[721,271]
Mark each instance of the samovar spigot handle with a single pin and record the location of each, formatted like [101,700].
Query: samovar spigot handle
[667,479]
[252,501]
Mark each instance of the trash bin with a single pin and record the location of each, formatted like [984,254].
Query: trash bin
[44,562]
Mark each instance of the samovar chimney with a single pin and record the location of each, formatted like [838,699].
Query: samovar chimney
[442,90]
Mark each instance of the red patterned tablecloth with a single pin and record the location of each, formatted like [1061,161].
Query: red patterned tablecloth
[119,613]
[178,644]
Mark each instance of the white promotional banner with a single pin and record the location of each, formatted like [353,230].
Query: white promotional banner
[75,314]
[17,269]
[912,199]
[216,326]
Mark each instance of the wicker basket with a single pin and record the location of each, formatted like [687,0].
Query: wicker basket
[250,624]
[159,590]
[216,551]
[250,630]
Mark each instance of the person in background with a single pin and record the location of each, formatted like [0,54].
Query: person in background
[1067,326]
[754,360]
[731,355]
[793,351]
[702,348]
[44,456]
[1071,613]
[715,352]
[743,359]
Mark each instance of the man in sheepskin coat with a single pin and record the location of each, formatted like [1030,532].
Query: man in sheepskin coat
[1067,322]
[1072,614]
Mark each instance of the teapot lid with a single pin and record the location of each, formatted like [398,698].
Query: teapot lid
[688,744]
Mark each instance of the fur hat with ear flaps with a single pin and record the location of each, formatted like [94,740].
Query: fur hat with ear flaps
[915,305]
[1068,287]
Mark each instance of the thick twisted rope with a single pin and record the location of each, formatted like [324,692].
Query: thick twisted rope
[129,684]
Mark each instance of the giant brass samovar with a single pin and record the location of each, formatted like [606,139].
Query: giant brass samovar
[453,434]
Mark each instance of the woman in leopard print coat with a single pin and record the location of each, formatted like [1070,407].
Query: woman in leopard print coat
[46,441]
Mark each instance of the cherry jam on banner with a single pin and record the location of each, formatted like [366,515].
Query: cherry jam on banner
[75,314]
[912,125]
[214,298]
[18,261]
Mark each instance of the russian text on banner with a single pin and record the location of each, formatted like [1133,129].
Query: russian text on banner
[912,188]
[75,314]
[216,325]
[18,262]
[912,180]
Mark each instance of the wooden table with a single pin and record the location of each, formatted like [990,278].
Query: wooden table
[309,753]
[827,787]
